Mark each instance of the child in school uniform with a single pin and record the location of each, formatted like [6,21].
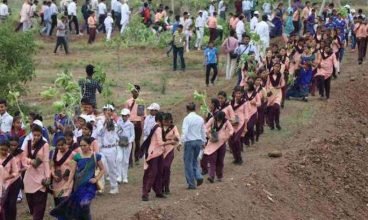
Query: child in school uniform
[126,134]
[251,96]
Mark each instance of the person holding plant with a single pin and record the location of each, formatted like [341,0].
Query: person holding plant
[37,176]
[13,180]
[211,61]
[219,130]
[225,106]
[77,205]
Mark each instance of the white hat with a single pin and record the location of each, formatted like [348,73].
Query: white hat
[84,117]
[347,6]
[154,106]
[38,122]
[125,111]
[109,14]
[91,118]
[256,12]
[200,11]
[352,10]
[108,106]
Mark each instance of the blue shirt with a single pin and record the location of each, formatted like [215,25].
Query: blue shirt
[210,55]
[305,76]
[175,26]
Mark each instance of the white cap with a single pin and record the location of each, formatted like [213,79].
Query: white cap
[125,111]
[347,6]
[109,14]
[109,107]
[256,12]
[352,10]
[84,117]
[38,122]
[154,106]
[91,118]
[200,11]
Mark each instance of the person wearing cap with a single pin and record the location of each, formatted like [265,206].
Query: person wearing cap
[37,176]
[149,121]
[108,22]
[212,27]
[89,86]
[254,21]
[126,134]
[81,122]
[136,116]
[199,25]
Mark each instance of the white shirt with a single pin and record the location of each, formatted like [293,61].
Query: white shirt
[187,24]
[126,129]
[6,122]
[125,12]
[211,9]
[263,30]
[108,22]
[193,128]
[253,23]
[267,8]
[149,123]
[221,6]
[240,28]
[108,138]
[72,9]
[112,4]
[94,5]
[200,22]
[54,9]
[4,10]
[247,5]
[117,6]
[205,15]
[102,9]
[244,49]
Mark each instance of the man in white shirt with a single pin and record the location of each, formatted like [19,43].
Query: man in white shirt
[6,120]
[125,13]
[205,15]
[54,12]
[263,30]
[108,26]
[267,8]
[193,138]
[116,7]
[254,21]
[187,27]
[150,120]
[247,6]
[25,17]
[4,10]
[211,8]
[199,24]
[240,28]
[222,9]
[72,16]
[102,11]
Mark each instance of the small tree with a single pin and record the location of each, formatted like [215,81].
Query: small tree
[16,59]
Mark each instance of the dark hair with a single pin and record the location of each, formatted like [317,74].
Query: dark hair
[85,101]
[185,13]
[214,14]
[241,17]
[222,93]
[3,102]
[232,33]
[360,11]
[36,128]
[61,138]
[250,85]
[220,116]
[159,117]
[168,116]
[89,126]
[68,134]
[216,103]
[238,89]
[90,69]
[244,35]
[180,26]
[88,140]
[264,18]
[191,106]
[13,138]
[177,17]
[145,4]
[4,141]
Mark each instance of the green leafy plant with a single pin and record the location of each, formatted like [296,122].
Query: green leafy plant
[201,98]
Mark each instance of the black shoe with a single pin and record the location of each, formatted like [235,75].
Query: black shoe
[199,182]
[162,196]
[272,127]
[204,173]
[211,179]
[191,188]
[145,198]
[278,127]
[167,192]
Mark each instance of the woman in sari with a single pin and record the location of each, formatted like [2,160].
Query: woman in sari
[77,206]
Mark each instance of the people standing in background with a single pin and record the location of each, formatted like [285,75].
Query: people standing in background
[199,25]
[72,16]
[4,10]
[211,8]
[125,13]
[102,14]
[228,46]
[86,8]
[211,61]
[247,7]
[254,21]
[212,26]
[6,120]
[193,139]
[54,13]
[89,86]
[150,121]
[61,35]
[45,31]
[263,30]
[116,7]
[187,28]
[25,17]
[108,23]
[305,15]
[361,36]
[267,8]
[178,47]
[222,9]
[240,28]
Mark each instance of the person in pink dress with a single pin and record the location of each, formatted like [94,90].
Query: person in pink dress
[251,96]
[219,129]
[262,93]
[172,137]
[12,182]
[16,129]
[87,130]
[37,175]
[240,107]
[275,82]
[62,171]
[71,141]
[3,176]
[225,106]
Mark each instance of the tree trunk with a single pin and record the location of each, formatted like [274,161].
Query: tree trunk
[322,7]
[173,6]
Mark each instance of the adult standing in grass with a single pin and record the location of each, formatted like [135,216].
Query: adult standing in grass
[72,14]
[199,25]
[193,138]
[89,86]
[54,13]
[125,13]
[178,47]
[4,10]
[92,22]
[61,35]
[212,26]
[102,14]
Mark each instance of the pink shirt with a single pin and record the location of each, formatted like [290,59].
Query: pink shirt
[326,66]
[62,185]
[276,96]
[172,135]
[223,135]
[229,112]
[156,147]
[230,44]
[12,169]
[233,23]
[241,113]
[133,111]
[253,104]
[360,30]
[34,176]
[212,22]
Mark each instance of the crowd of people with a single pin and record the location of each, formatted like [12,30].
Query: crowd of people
[72,159]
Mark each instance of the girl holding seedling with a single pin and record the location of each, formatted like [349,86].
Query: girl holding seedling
[219,130]
[251,96]
[240,107]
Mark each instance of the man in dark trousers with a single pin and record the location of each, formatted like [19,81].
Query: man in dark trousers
[89,86]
